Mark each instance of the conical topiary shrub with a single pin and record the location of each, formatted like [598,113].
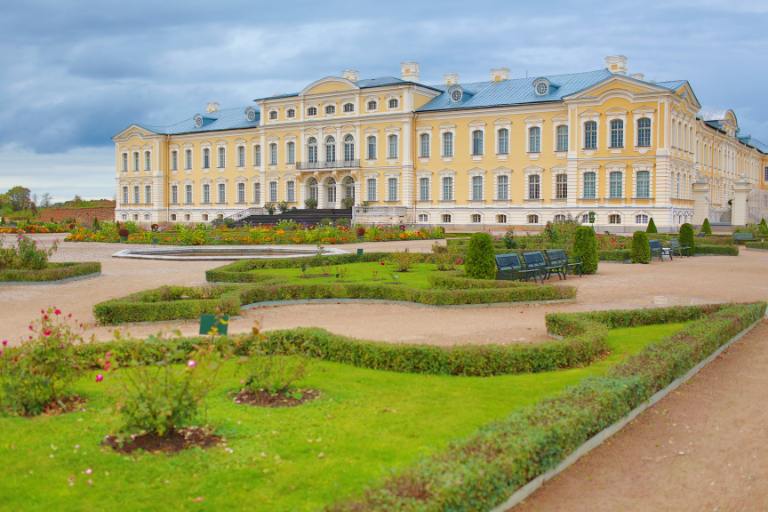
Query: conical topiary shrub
[651,227]
[706,228]
[763,227]
[687,238]
[481,261]
[641,249]
[585,248]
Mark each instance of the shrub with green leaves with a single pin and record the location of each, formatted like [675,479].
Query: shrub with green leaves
[641,250]
[651,227]
[481,257]
[706,228]
[763,227]
[687,238]
[585,248]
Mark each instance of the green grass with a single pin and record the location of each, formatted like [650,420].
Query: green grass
[366,424]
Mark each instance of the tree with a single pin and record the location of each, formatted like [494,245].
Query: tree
[45,200]
[19,198]
[641,249]
[686,238]
[585,248]
[706,228]
[651,227]
[763,227]
[481,260]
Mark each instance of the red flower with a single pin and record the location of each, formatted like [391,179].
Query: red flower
[57,312]
[47,332]
[5,343]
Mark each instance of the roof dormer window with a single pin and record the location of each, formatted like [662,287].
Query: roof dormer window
[330,109]
[311,111]
[273,115]
[349,107]
[393,103]
[541,86]
[290,113]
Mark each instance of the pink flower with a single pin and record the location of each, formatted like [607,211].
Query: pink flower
[57,312]
[47,332]
[5,343]
[99,378]
[191,363]
[31,328]
[88,471]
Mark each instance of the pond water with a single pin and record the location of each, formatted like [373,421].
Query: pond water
[224,252]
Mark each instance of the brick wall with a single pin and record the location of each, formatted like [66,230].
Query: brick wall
[81,215]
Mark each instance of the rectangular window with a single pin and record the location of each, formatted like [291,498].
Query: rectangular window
[424,189]
[241,156]
[206,158]
[222,193]
[561,186]
[136,195]
[188,194]
[206,194]
[290,191]
[617,133]
[424,146]
[391,189]
[273,154]
[392,151]
[644,132]
[257,156]
[136,161]
[534,186]
[370,186]
[477,188]
[125,162]
[765,174]
[562,138]
[222,157]
[273,191]
[241,192]
[174,160]
[371,148]
[477,143]
[174,194]
[502,188]
[590,185]
[503,141]
[534,139]
[615,182]
[447,188]
[147,194]
[187,159]
[643,184]
[257,193]
[448,144]
[125,195]
[590,135]
[147,161]
[291,153]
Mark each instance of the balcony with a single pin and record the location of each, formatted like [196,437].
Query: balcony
[336,164]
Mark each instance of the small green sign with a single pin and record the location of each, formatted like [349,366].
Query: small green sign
[210,324]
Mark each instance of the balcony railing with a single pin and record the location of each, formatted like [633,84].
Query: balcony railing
[336,164]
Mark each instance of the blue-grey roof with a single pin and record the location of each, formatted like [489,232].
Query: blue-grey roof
[224,119]
[672,84]
[753,142]
[365,83]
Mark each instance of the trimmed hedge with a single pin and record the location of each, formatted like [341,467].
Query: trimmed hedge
[585,249]
[615,255]
[687,238]
[483,471]
[724,250]
[641,250]
[755,245]
[169,303]
[52,272]
[480,263]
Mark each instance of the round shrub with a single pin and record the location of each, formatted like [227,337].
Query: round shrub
[481,262]
[686,237]
[651,227]
[641,250]
[585,248]
[706,228]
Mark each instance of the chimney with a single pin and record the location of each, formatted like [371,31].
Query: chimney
[451,78]
[616,64]
[409,71]
[351,74]
[499,74]
[212,107]
[638,76]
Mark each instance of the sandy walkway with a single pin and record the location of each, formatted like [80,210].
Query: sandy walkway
[701,448]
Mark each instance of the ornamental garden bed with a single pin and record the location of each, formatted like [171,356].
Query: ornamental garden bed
[373,440]
[25,262]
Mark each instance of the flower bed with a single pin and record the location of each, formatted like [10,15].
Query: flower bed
[25,261]
[52,272]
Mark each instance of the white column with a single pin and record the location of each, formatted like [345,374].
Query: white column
[263,171]
[700,201]
[741,189]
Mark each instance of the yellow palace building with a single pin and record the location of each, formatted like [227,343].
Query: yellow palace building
[487,155]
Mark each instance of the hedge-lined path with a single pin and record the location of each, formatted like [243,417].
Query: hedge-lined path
[700,448]
[683,281]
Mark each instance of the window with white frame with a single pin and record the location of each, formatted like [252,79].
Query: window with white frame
[477,188]
[424,188]
[585,218]
[501,219]
[447,188]
[614,218]
[241,192]
[273,153]
[257,155]
[272,191]
[765,174]
[241,156]
[615,184]
[589,188]
[311,111]
[331,191]
[424,145]
[643,186]
[187,216]
[188,194]
[173,216]
[533,219]
[272,115]
[330,149]
[392,146]
[475,218]
[372,105]
[641,219]
[423,218]
[147,194]
[136,161]
[590,135]
[205,216]
[147,161]
[446,218]
[391,189]
[534,186]
[257,193]
[175,160]
[290,153]
[290,191]
[393,103]
[477,142]
[561,186]
[559,218]
[174,194]
[561,136]
[312,150]
[617,133]
[222,157]
[644,132]
[534,139]
[222,193]
[290,113]
[349,148]
[125,162]
[125,195]
[206,193]
[502,187]
[447,144]
[206,158]
[370,188]
[330,109]
[371,151]
[349,107]
[502,141]
[187,159]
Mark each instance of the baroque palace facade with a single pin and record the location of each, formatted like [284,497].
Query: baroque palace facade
[505,152]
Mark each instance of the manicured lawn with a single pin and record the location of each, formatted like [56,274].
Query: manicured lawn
[370,272]
[365,424]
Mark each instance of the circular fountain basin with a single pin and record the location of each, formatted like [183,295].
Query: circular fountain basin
[228,252]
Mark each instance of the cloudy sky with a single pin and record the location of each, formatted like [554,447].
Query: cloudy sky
[75,72]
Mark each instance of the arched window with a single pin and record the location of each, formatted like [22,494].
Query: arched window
[477,188]
[502,146]
[312,189]
[616,185]
[590,135]
[614,218]
[643,184]
[561,186]
[349,187]
[273,114]
[534,139]
[371,147]
[273,153]
[222,193]
[330,149]
[222,157]
[312,150]
[446,218]
[559,218]
[502,187]
[241,156]
[370,187]
[290,153]
[330,109]
[447,144]
[424,145]
[644,132]
[477,142]
[589,190]
[290,113]
[392,146]
[393,103]
[206,193]
[257,155]
[617,133]
[206,158]
[125,162]
[290,191]
[501,219]
[476,218]
[372,105]
[423,218]
[641,219]
[424,188]
[349,107]
[257,193]
[533,219]
[331,190]
[311,111]
[561,133]
[241,192]
[349,148]
[147,161]
[534,186]
[447,188]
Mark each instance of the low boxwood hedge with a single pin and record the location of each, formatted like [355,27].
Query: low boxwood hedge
[723,250]
[483,471]
[615,255]
[52,272]
[169,303]
[756,245]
